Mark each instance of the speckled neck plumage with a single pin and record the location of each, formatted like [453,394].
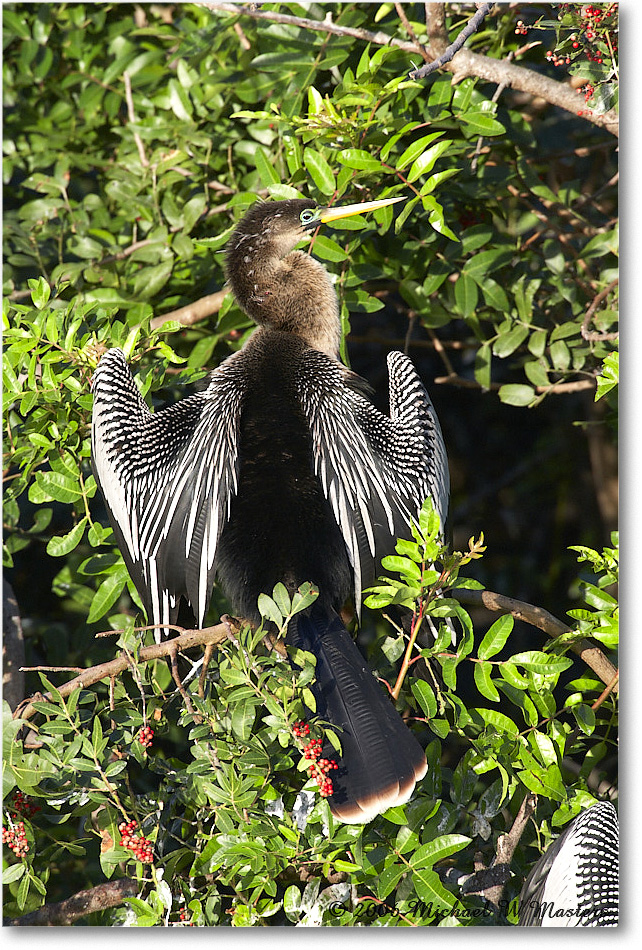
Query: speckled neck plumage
[277,286]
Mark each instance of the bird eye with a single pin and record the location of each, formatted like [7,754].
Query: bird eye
[307,216]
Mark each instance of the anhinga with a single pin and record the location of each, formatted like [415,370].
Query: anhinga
[281,470]
[576,881]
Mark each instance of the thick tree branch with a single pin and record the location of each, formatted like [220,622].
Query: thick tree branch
[192,312]
[63,914]
[538,617]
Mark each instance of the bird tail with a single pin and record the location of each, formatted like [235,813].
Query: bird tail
[381,760]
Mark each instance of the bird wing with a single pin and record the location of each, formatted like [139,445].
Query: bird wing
[376,471]
[168,479]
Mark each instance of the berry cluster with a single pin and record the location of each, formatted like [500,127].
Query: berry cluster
[558,60]
[595,35]
[24,804]
[146,736]
[520,28]
[300,729]
[183,915]
[588,89]
[142,848]
[15,837]
[319,767]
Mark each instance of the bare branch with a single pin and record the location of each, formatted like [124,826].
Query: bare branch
[506,845]
[93,674]
[192,312]
[538,617]
[63,914]
[132,118]
[471,27]
[576,386]
[409,30]
[593,336]
[321,26]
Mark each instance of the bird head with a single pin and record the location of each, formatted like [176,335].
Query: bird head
[280,225]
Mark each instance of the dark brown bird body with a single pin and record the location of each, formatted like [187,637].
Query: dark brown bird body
[281,470]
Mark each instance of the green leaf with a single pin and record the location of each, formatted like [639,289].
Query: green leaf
[483,364]
[466,294]
[150,280]
[60,546]
[496,637]
[516,394]
[13,873]
[107,594]
[426,160]
[359,159]
[414,150]
[179,101]
[482,123]
[484,682]
[538,662]
[40,291]
[498,721]
[320,171]
[426,698]
[508,342]
[55,486]
[437,850]
[265,167]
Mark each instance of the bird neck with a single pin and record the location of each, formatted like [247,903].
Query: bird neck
[291,293]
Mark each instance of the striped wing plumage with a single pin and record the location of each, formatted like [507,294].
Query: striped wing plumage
[375,471]
[575,882]
[168,479]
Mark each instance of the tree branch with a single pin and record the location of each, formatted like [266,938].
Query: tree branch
[593,336]
[538,617]
[185,641]
[192,312]
[471,27]
[576,386]
[63,914]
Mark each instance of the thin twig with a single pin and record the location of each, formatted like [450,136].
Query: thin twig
[471,27]
[173,661]
[207,656]
[132,118]
[594,336]
[436,342]
[411,33]
[412,317]
[577,386]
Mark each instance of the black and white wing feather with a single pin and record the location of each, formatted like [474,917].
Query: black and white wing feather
[168,479]
[575,882]
[376,471]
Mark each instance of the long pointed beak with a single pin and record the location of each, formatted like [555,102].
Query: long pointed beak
[345,211]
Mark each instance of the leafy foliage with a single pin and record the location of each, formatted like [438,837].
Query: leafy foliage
[135,138]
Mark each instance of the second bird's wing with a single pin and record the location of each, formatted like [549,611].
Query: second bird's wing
[167,478]
[376,471]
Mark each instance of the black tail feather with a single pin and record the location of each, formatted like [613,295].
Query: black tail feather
[381,760]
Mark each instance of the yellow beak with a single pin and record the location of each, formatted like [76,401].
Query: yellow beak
[345,211]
